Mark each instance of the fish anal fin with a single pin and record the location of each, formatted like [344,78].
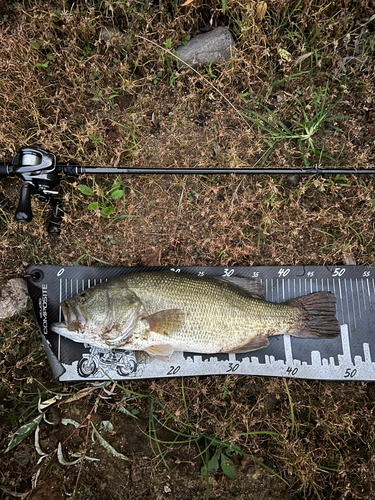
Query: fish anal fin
[251,286]
[253,345]
[166,322]
[161,352]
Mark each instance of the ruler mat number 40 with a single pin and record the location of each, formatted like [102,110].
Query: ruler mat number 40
[347,357]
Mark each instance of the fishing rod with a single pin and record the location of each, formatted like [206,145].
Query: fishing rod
[41,175]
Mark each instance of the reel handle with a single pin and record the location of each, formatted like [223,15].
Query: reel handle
[23,212]
[55,219]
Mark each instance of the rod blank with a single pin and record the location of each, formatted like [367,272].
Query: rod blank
[78,170]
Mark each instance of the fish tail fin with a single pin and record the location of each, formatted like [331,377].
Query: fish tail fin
[316,316]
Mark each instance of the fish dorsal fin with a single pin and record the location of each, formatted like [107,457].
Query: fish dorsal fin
[161,352]
[167,321]
[250,285]
[254,344]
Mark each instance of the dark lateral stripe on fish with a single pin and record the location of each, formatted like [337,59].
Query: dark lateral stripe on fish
[316,316]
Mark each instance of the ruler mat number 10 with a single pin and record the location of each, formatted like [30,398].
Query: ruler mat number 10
[351,356]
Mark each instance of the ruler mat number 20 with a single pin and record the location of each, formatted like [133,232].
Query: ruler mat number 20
[347,357]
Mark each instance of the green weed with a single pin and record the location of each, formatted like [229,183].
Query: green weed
[108,239]
[198,253]
[38,253]
[105,204]
[89,258]
[97,140]
[303,128]
[170,72]
[218,460]
[222,254]
[130,129]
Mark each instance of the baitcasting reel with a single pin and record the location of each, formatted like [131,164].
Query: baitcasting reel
[40,174]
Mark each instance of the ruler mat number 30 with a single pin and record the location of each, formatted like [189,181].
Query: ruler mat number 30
[347,357]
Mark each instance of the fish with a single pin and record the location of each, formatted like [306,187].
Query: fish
[162,312]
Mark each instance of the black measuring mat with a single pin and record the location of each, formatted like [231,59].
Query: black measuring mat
[347,357]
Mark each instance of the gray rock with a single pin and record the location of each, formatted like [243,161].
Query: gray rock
[349,260]
[107,33]
[14,298]
[294,179]
[213,47]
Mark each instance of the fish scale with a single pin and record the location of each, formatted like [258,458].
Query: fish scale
[211,314]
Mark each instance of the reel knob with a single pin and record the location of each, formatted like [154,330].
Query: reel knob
[56,217]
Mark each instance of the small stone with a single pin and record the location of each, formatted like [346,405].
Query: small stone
[349,260]
[167,488]
[67,263]
[14,298]
[136,475]
[22,459]
[213,47]
[151,257]
[294,179]
[107,33]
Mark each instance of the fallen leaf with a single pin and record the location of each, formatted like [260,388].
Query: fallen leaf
[42,405]
[187,3]
[151,257]
[23,432]
[107,446]
[261,10]
[284,54]
[81,394]
[61,458]
[301,58]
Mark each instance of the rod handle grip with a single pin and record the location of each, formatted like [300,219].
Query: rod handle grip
[23,212]
[4,170]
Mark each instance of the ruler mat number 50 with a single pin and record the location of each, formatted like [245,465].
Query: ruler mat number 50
[347,357]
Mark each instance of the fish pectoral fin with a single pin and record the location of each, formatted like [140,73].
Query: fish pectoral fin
[251,286]
[161,352]
[166,322]
[252,345]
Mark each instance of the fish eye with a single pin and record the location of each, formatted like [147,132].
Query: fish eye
[84,297]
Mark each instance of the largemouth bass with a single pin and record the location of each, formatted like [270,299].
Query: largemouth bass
[162,312]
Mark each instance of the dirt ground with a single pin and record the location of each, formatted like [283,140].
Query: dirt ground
[299,91]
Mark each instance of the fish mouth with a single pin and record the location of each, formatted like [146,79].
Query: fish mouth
[62,329]
[74,317]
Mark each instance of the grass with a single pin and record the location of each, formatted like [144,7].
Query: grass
[89,258]
[283,100]
[176,424]
[302,128]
